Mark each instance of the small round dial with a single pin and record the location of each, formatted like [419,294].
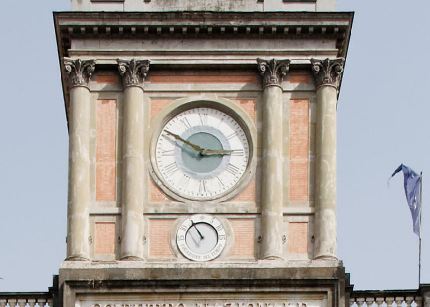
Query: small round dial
[201,237]
[202,154]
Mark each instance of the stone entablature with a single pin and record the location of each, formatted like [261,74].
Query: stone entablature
[204,5]
[118,34]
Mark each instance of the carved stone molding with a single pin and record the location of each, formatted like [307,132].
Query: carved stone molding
[133,72]
[327,72]
[79,72]
[273,71]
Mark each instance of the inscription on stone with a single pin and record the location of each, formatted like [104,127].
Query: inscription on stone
[212,304]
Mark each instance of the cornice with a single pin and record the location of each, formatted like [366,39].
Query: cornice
[227,25]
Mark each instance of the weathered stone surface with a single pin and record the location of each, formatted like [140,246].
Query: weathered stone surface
[202,5]
[79,193]
[272,228]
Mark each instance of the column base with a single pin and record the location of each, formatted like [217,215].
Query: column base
[272,258]
[326,257]
[131,258]
[77,258]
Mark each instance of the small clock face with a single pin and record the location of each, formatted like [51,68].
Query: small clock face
[202,154]
[201,237]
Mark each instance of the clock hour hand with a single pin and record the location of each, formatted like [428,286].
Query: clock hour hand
[214,152]
[194,146]
[200,234]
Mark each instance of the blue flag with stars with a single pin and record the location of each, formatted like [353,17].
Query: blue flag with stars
[412,184]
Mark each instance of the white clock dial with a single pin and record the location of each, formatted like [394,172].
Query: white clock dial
[202,153]
[201,237]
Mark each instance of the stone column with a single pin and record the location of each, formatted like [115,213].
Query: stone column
[133,190]
[327,75]
[272,72]
[79,195]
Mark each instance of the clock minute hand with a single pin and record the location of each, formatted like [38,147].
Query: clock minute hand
[194,146]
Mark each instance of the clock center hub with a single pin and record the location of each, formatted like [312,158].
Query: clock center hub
[195,161]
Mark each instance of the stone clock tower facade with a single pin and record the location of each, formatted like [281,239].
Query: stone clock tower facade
[202,153]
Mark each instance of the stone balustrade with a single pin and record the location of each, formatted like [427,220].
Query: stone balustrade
[26,299]
[388,298]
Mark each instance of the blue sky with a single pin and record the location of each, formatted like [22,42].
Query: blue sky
[382,122]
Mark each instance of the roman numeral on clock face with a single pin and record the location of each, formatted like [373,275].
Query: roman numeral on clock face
[202,186]
[232,135]
[234,170]
[203,118]
[167,152]
[171,168]
[220,181]
[186,123]
[238,152]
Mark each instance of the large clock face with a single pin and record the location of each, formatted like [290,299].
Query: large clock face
[202,154]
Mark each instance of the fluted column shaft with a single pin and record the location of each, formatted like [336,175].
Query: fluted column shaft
[327,74]
[271,195]
[79,193]
[133,190]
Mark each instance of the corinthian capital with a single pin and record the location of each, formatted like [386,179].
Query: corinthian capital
[273,71]
[79,72]
[133,72]
[327,72]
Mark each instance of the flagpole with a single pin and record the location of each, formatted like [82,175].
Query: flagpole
[419,237]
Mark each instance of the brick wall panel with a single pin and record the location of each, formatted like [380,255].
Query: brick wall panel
[297,237]
[106,119]
[244,238]
[159,238]
[299,151]
[104,238]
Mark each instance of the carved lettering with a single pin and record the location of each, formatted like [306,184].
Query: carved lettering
[214,303]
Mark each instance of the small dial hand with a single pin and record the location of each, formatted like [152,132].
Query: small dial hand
[194,225]
[194,146]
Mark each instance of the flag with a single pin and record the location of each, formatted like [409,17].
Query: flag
[412,184]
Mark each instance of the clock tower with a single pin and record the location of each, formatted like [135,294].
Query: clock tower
[202,152]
